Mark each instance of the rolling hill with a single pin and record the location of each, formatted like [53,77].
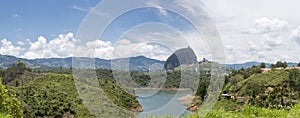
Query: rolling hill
[140,63]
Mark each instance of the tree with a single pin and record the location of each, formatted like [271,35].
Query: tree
[14,72]
[204,60]
[284,65]
[9,104]
[262,65]
[202,89]
[279,64]
[273,66]
[294,79]
[254,88]
[298,64]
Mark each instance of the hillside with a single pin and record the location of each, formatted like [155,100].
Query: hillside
[277,88]
[49,94]
[139,63]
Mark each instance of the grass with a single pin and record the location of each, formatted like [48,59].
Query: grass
[253,112]
[271,78]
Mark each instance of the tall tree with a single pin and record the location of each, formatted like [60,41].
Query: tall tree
[14,72]
[262,65]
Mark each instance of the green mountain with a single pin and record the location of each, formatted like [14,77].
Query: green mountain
[139,63]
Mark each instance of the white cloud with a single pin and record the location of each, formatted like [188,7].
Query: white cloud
[7,48]
[265,39]
[295,35]
[268,25]
[100,49]
[39,49]
[269,47]
[159,41]
[80,9]
[20,43]
[62,46]
[125,48]
[257,30]
[254,30]
[153,51]
[155,4]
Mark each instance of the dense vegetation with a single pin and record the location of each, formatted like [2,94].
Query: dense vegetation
[247,112]
[255,93]
[10,106]
[52,94]
[273,89]
[253,112]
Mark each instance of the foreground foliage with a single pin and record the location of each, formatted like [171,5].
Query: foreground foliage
[50,94]
[254,112]
[10,106]
[246,112]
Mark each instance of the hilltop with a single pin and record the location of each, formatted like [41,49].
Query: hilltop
[183,56]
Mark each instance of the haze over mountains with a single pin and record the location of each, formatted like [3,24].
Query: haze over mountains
[140,63]
[250,64]
[136,63]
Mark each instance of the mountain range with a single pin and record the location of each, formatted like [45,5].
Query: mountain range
[250,64]
[140,63]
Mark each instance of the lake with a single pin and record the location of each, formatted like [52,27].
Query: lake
[162,103]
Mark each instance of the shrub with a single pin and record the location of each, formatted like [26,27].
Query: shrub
[9,104]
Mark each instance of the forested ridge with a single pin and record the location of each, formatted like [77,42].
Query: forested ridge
[54,94]
[253,92]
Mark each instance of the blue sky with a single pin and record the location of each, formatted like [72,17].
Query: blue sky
[21,19]
[29,19]
[251,30]
[140,16]
[28,27]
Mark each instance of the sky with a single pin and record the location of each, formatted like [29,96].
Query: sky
[250,30]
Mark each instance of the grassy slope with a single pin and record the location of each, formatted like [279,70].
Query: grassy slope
[246,112]
[271,78]
[253,112]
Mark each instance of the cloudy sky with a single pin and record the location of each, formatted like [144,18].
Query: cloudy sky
[251,30]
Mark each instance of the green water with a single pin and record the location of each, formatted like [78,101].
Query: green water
[162,103]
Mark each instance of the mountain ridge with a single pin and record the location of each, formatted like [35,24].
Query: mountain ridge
[135,62]
[141,63]
[252,63]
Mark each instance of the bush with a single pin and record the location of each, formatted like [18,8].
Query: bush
[253,112]
[9,104]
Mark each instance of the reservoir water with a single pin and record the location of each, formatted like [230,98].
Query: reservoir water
[162,103]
